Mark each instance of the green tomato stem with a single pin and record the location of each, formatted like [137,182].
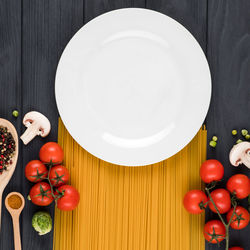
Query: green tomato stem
[232,216]
[227,238]
[217,210]
[51,186]
[222,220]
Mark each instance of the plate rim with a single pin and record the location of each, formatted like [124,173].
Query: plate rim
[130,163]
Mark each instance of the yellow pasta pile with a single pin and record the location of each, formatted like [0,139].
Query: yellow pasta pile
[137,208]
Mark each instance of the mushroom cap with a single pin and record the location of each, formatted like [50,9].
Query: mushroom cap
[39,120]
[239,153]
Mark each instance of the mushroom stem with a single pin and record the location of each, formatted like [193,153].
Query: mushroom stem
[28,135]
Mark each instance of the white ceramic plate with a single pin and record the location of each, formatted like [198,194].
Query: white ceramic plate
[133,87]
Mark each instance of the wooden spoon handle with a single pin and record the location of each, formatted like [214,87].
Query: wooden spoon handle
[1,194]
[17,238]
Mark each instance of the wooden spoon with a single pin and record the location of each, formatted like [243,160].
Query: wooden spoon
[15,213]
[6,175]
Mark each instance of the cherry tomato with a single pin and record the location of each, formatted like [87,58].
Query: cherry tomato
[40,194]
[35,171]
[59,175]
[51,152]
[70,198]
[211,170]
[222,200]
[236,248]
[214,231]
[194,201]
[240,220]
[240,185]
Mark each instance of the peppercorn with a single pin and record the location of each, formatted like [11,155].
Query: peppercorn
[7,147]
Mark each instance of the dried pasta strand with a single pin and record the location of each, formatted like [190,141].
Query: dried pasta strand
[131,208]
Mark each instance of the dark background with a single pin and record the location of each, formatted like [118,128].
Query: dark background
[33,34]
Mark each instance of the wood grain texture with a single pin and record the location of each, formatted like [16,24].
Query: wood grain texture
[95,8]
[229,58]
[47,27]
[33,34]
[10,95]
[192,14]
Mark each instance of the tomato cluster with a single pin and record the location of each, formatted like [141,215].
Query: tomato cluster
[51,179]
[220,201]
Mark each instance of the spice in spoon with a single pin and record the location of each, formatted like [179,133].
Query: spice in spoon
[7,148]
[14,201]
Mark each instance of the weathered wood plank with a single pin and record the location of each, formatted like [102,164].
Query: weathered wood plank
[28,63]
[98,7]
[229,59]
[47,27]
[192,14]
[10,94]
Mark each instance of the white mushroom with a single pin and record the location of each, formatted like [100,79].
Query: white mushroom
[240,154]
[37,124]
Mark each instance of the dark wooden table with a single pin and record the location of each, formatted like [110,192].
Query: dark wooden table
[33,34]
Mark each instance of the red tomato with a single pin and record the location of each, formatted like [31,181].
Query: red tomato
[40,194]
[214,231]
[222,200]
[70,198]
[51,152]
[194,201]
[211,170]
[59,175]
[240,184]
[236,248]
[240,220]
[35,171]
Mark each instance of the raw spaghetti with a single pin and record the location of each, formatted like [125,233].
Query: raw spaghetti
[137,208]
